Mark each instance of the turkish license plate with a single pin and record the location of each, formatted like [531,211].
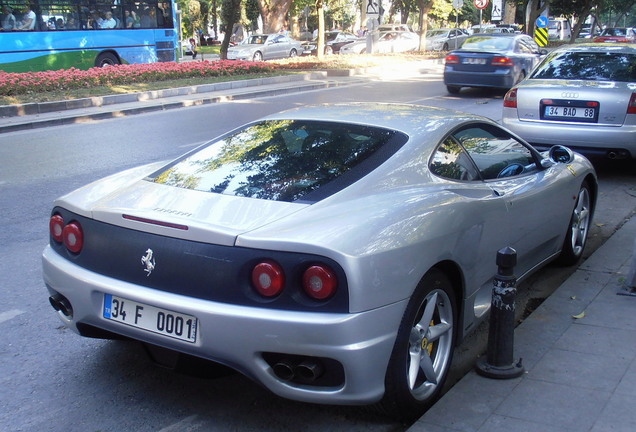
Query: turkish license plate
[153,319]
[472,60]
[561,112]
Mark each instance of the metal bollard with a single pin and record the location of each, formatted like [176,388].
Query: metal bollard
[499,361]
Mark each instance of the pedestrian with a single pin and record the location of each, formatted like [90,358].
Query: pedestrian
[193,48]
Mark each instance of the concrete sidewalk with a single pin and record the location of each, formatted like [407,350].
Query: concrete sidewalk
[580,372]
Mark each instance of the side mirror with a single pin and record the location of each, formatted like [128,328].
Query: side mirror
[561,154]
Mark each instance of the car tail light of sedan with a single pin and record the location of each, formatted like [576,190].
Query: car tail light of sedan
[501,61]
[631,106]
[510,100]
[452,59]
[319,282]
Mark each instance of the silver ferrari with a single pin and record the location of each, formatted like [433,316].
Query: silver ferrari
[334,253]
[581,96]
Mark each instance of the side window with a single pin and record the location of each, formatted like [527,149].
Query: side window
[495,152]
[451,161]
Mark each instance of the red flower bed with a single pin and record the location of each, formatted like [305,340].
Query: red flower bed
[67,79]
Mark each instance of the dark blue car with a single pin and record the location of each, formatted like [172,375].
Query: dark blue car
[491,60]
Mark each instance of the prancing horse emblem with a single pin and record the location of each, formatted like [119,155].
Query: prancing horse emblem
[148,261]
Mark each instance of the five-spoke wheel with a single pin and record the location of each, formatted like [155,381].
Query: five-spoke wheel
[423,349]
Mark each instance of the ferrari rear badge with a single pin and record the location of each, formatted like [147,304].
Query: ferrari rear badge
[148,261]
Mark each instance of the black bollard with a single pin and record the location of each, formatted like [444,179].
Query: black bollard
[499,362]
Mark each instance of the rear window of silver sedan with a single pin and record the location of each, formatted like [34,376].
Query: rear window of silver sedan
[591,66]
[284,160]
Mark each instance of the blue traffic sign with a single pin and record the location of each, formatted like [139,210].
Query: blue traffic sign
[542,22]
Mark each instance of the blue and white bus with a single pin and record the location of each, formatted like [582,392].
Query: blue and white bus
[42,35]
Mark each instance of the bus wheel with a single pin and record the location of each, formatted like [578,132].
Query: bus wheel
[106,59]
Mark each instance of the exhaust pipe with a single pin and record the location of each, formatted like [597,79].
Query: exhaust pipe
[285,370]
[309,370]
[61,304]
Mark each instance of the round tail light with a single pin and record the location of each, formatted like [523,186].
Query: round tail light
[73,237]
[268,278]
[319,282]
[56,226]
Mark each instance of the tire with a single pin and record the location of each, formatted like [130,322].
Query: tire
[576,234]
[106,59]
[423,349]
[328,50]
[293,53]
[453,89]
[445,47]
[258,56]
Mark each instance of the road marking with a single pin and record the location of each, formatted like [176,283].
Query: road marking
[6,316]
[188,424]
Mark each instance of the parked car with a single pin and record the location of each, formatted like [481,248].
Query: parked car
[394,27]
[334,40]
[617,34]
[491,60]
[265,47]
[559,29]
[499,30]
[388,42]
[583,96]
[333,253]
[481,28]
[445,39]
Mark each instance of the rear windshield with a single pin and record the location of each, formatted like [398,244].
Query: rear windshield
[284,160]
[593,66]
[487,43]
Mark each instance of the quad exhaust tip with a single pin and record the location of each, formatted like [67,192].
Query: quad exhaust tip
[62,305]
[306,371]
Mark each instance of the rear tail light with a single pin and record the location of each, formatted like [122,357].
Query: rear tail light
[502,61]
[268,278]
[319,282]
[73,237]
[510,100]
[56,226]
[71,234]
[631,107]
[452,59]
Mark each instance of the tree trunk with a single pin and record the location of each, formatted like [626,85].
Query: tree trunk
[510,10]
[320,46]
[274,13]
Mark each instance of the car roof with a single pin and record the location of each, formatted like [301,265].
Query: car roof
[594,47]
[413,120]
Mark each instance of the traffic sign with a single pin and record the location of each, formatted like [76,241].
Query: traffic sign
[541,36]
[481,4]
[373,9]
[458,4]
[542,22]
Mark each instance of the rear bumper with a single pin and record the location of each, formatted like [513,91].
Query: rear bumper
[499,79]
[240,336]
[592,140]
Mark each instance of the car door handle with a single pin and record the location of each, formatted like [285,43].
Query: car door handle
[498,193]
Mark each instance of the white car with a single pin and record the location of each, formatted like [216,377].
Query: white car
[265,47]
[388,42]
[445,39]
[582,96]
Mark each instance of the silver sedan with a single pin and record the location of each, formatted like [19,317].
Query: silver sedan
[582,96]
[334,253]
[265,47]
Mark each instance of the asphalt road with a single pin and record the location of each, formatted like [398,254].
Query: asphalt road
[54,380]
